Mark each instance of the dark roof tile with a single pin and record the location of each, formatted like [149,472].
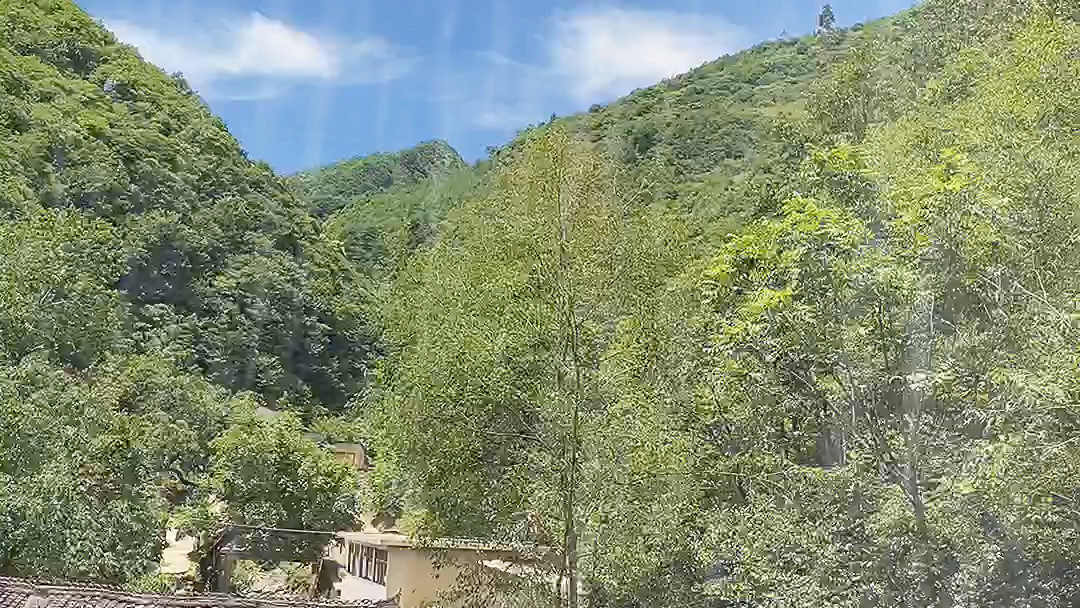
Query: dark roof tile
[24,593]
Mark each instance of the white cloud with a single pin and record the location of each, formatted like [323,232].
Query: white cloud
[610,51]
[256,56]
[500,117]
[590,56]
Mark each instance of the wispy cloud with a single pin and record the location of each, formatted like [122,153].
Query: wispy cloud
[255,56]
[596,55]
[608,52]
[502,117]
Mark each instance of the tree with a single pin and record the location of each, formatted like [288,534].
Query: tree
[508,335]
[75,501]
[165,215]
[826,20]
[880,425]
[846,101]
[57,269]
[267,473]
[754,356]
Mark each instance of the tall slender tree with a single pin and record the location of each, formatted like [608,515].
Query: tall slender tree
[505,332]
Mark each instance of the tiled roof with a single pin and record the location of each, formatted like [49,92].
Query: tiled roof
[394,538]
[23,593]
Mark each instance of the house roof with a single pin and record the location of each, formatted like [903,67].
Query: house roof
[394,538]
[24,593]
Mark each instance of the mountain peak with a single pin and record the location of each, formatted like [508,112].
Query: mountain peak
[331,187]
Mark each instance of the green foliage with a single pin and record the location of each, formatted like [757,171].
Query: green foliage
[341,429]
[148,272]
[381,231]
[244,576]
[57,271]
[845,103]
[523,330]
[268,474]
[175,222]
[874,404]
[175,415]
[797,328]
[334,186]
[875,371]
[827,19]
[154,583]
[75,501]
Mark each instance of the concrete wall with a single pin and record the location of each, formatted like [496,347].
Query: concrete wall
[174,559]
[414,573]
[420,580]
[353,587]
[411,572]
[352,454]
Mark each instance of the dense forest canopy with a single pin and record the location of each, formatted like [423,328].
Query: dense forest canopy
[796,328]
[332,187]
[155,287]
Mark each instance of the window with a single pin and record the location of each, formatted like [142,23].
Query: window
[367,563]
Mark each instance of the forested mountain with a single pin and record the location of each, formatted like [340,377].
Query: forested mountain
[207,252]
[381,207]
[797,328]
[826,358]
[155,285]
[381,230]
[334,186]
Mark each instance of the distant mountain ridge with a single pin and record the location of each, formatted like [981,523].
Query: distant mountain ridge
[710,140]
[724,141]
[333,186]
[212,245]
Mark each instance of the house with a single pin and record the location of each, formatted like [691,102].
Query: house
[378,564]
[25,593]
[377,561]
[374,564]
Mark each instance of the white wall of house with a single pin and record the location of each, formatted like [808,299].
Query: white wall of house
[355,588]
[350,586]
[412,574]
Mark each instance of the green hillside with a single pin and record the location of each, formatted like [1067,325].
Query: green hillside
[218,259]
[722,142]
[155,287]
[380,230]
[795,329]
[381,207]
[332,187]
[706,139]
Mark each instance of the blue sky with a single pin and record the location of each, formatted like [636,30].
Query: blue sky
[307,82]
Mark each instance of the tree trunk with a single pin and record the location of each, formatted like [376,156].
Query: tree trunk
[923,363]
[570,543]
[571,357]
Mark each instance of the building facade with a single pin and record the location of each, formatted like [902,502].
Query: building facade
[377,565]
